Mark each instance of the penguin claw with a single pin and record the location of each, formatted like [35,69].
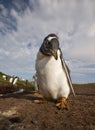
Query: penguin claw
[38,101]
[62,104]
[36,93]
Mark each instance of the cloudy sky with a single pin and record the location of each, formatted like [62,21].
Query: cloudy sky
[25,23]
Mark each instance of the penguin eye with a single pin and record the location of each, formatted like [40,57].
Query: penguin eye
[48,44]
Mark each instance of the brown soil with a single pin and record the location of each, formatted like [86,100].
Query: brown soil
[18,112]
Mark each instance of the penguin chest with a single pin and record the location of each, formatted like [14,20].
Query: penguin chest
[51,78]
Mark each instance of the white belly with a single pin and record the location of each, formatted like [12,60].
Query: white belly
[51,78]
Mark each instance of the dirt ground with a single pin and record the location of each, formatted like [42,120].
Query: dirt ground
[18,112]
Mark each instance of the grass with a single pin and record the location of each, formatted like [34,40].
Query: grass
[1,78]
[6,86]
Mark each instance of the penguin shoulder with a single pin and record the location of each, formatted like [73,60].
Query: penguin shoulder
[40,56]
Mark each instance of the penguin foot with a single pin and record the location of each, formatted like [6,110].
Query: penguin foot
[36,93]
[62,104]
[38,101]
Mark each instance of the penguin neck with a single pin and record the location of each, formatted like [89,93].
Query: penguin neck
[41,55]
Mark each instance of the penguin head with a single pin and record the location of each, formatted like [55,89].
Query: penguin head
[50,46]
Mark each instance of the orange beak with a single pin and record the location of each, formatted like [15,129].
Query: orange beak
[54,53]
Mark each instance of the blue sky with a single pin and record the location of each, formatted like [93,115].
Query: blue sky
[25,23]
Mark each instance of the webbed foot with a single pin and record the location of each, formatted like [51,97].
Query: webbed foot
[62,104]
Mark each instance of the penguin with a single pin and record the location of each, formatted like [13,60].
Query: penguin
[53,75]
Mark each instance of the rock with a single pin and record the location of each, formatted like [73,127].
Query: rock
[4,123]
[33,121]
[14,119]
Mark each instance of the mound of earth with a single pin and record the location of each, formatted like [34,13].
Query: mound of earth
[18,112]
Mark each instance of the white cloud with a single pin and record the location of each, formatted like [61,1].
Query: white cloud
[71,20]
[1,25]
[91,30]
[3,10]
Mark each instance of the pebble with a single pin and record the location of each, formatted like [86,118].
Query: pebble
[33,121]
[15,119]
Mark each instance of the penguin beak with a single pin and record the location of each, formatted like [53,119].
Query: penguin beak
[54,53]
